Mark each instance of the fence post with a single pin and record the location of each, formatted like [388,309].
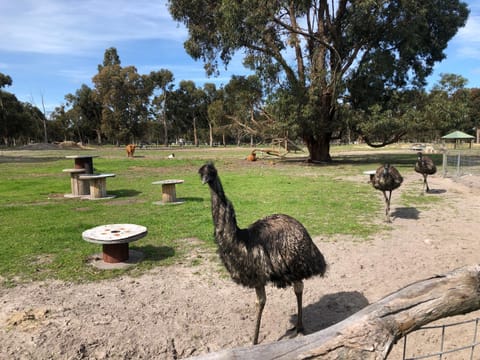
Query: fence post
[444,164]
[458,164]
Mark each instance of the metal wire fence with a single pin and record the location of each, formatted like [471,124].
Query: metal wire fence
[448,348]
[459,163]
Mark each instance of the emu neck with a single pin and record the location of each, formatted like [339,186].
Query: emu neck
[223,214]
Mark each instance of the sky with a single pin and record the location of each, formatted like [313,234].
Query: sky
[51,47]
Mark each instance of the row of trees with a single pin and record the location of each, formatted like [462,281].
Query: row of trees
[322,71]
[125,107]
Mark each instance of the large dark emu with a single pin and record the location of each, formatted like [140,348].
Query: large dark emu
[275,249]
[425,166]
[386,179]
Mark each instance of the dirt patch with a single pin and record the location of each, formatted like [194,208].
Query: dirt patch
[54,146]
[193,308]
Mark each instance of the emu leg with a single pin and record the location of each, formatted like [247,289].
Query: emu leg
[425,182]
[298,289]
[260,304]
[387,206]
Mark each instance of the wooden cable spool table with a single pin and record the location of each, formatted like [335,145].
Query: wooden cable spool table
[169,192]
[114,239]
[83,162]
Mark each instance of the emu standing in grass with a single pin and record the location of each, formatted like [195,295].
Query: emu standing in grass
[275,249]
[387,178]
[425,166]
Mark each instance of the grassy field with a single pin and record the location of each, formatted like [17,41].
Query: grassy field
[41,230]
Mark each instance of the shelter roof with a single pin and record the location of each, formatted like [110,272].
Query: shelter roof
[458,135]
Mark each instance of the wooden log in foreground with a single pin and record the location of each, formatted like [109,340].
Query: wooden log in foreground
[371,332]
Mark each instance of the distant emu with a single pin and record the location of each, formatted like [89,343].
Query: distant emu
[130,150]
[387,178]
[275,249]
[425,166]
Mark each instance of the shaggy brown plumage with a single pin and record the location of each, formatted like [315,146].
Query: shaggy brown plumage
[386,179]
[425,166]
[275,249]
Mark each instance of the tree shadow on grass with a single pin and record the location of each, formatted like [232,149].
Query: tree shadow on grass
[119,193]
[329,310]
[27,159]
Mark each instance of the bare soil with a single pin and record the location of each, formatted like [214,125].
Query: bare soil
[183,310]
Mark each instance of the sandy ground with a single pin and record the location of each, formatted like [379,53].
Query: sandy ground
[180,311]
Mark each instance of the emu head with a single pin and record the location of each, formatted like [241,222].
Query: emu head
[208,173]
[386,168]
[419,154]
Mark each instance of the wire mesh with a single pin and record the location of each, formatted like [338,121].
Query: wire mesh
[454,350]
[461,163]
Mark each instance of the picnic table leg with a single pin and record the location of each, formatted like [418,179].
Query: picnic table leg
[114,253]
[169,193]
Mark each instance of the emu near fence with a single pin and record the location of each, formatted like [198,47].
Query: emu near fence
[371,332]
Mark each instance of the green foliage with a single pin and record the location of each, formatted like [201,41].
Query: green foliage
[359,49]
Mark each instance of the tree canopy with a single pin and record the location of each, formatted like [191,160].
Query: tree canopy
[319,55]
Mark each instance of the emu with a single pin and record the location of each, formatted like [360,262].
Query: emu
[387,178]
[425,166]
[276,249]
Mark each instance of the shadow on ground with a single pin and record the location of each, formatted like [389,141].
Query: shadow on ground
[406,213]
[329,310]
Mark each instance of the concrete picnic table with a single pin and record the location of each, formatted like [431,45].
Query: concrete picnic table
[114,239]
[169,192]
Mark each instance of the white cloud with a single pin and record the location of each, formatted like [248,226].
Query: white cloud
[63,27]
[467,40]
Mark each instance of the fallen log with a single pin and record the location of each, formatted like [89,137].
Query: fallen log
[371,332]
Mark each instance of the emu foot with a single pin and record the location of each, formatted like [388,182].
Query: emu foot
[297,330]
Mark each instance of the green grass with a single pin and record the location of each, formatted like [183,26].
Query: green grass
[41,230]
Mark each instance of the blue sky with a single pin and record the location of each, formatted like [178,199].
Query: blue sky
[51,47]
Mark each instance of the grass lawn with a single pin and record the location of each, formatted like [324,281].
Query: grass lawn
[41,230]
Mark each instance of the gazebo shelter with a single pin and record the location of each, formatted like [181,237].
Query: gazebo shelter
[458,137]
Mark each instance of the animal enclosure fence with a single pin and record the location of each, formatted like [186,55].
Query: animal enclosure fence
[459,163]
[448,348]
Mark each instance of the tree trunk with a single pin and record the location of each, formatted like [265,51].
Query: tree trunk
[319,147]
[318,138]
[370,333]
[210,133]
[165,131]
[195,138]
[99,136]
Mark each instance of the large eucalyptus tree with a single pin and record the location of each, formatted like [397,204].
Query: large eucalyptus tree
[319,51]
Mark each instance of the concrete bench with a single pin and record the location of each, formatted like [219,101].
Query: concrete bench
[79,188]
[98,185]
